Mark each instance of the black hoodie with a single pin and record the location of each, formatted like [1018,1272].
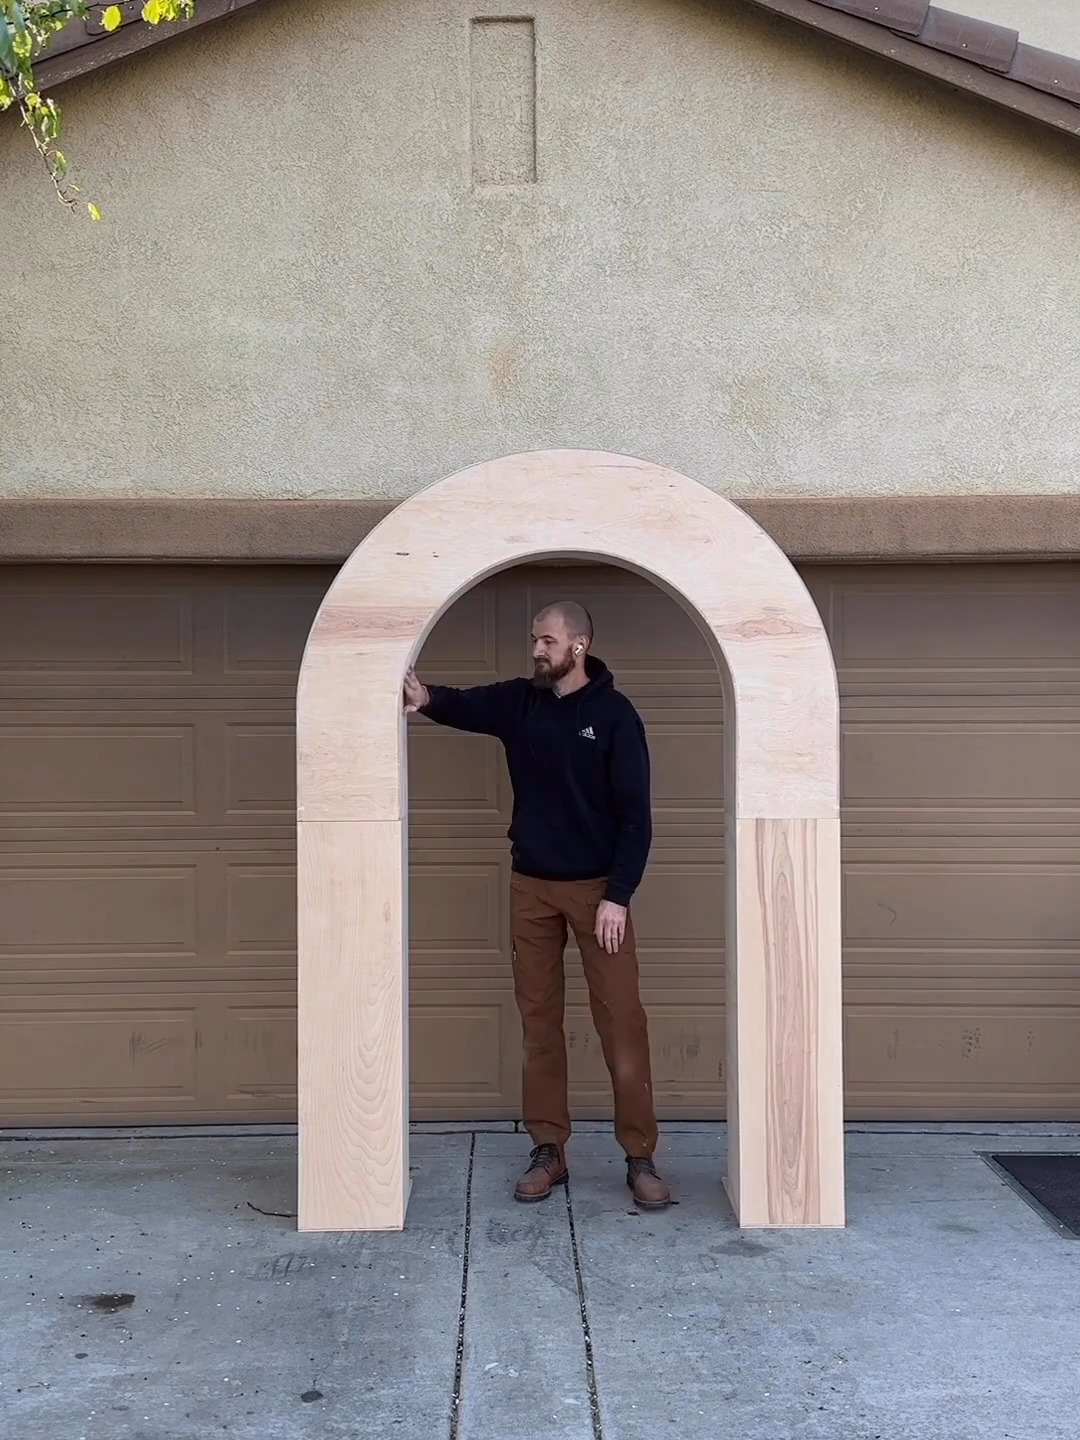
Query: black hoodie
[579,767]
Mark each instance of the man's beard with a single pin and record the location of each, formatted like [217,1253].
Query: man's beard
[548,673]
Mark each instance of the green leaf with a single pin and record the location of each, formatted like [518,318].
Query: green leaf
[95,213]
[152,12]
[7,48]
[112,18]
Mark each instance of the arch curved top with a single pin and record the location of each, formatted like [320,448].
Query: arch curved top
[695,544]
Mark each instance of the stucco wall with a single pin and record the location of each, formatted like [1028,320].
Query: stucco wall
[772,262]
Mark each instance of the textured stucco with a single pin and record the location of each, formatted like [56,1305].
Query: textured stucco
[1050,24]
[751,253]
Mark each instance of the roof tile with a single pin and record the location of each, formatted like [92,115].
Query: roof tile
[1046,70]
[992,46]
[906,16]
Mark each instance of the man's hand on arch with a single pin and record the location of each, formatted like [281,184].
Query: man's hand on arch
[416,694]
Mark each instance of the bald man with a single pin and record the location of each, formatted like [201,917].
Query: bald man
[580,837]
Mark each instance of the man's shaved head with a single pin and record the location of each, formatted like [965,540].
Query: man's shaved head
[561,636]
[575,617]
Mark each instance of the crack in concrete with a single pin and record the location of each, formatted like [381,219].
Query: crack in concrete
[459,1358]
[586,1332]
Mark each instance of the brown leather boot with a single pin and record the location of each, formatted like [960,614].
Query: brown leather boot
[650,1192]
[547,1169]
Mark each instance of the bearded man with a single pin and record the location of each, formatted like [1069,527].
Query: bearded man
[580,837]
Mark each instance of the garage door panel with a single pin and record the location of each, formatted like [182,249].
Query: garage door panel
[458,906]
[1050,693]
[260,918]
[939,1051]
[124,1052]
[154,769]
[687,1044]
[934,768]
[91,625]
[265,624]
[97,771]
[1022,903]
[458,786]
[978,965]
[966,844]
[687,769]
[260,776]
[680,904]
[260,1055]
[463,1054]
[245,767]
[463,647]
[967,617]
[80,907]
[663,969]
[100,1056]
[130,918]
[455,777]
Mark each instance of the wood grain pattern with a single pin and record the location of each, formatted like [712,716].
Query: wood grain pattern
[781,768]
[698,547]
[353,1057]
[788,1135]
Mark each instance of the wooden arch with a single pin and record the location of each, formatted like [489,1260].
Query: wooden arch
[784,1072]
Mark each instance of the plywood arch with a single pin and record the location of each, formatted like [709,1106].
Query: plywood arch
[785,1160]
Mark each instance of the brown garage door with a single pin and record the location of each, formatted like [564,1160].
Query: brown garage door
[147,965]
[146,880]
[960,689]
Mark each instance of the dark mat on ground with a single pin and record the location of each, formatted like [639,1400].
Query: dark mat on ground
[1052,1180]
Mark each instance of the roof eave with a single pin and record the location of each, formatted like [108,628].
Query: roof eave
[99,50]
[962,74]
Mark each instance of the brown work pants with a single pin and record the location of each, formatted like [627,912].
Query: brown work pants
[540,912]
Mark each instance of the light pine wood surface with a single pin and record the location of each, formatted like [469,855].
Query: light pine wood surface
[353,1068]
[785,1162]
[784,1004]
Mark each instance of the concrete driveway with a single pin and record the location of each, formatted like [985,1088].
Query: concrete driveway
[150,1292]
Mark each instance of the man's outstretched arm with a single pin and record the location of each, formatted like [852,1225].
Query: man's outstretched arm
[480,709]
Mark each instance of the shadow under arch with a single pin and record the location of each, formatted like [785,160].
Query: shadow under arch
[782,832]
